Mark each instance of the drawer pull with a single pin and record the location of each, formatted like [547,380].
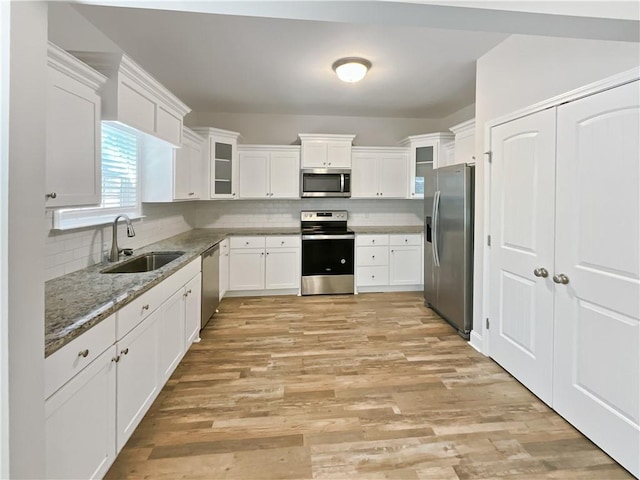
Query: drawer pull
[145,307]
[125,351]
[83,353]
[373,256]
[116,359]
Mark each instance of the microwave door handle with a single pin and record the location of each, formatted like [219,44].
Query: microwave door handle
[434,233]
[342,183]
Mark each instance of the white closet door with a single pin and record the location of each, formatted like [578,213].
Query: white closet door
[522,240]
[597,333]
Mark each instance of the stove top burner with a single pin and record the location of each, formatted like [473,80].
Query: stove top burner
[324,222]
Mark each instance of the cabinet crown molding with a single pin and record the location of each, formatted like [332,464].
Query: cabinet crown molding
[188,134]
[270,148]
[428,137]
[325,137]
[64,62]
[364,149]
[464,129]
[210,131]
[114,65]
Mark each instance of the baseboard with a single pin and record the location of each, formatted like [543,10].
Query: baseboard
[390,288]
[261,293]
[475,341]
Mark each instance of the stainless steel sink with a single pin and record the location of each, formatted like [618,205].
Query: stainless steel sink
[144,263]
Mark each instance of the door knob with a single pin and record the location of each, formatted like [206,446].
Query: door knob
[561,278]
[541,272]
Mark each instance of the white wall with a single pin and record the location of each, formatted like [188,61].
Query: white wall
[284,129]
[71,31]
[71,250]
[286,213]
[519,72]
[5,8]
[23,300]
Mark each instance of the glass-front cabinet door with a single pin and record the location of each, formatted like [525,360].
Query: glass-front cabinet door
[222,166]
[221,173]
[425,155]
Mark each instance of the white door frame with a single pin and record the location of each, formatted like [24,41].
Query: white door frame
[590,89]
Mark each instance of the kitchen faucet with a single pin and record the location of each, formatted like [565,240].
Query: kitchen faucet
[114,255]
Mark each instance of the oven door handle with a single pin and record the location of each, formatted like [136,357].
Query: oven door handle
[346,236]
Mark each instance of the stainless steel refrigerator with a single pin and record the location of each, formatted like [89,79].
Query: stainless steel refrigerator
[448,255]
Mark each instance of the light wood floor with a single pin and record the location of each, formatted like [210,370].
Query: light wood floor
[368,386]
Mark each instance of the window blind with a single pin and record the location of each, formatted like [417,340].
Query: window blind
[119,167]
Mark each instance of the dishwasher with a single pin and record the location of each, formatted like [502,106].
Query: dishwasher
[210,284]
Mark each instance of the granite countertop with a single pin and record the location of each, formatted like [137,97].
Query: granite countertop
[80,300]
[399,229]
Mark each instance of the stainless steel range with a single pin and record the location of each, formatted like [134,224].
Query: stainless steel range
[327,253]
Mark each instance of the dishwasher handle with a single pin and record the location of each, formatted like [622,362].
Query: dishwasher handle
[211,251]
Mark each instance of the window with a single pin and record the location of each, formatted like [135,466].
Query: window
[120,153]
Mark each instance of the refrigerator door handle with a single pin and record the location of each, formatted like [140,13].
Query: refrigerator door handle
[436,214]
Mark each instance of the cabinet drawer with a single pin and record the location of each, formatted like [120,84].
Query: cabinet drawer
[180,278]
[408,239]
[62,365]
[372,256]
[290,241]
[247,242]
[132,314]
[369,276]
[372,240]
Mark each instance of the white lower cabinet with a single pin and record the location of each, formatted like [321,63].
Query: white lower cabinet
[171,334]
[79,426]
[389,262]
[137,376]
[264,263]
[102,383]
[224,267]
[192,304]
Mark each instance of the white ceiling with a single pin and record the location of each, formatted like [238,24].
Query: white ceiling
[237,63]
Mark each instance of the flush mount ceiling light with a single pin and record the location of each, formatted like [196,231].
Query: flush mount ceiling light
[351,69]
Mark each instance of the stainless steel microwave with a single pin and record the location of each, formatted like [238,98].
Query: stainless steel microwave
[318,182]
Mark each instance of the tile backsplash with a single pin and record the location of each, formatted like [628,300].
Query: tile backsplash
[71,250]
[68,251]
[286,213]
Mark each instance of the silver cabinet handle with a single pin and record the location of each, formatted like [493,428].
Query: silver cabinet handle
[83,353]
[52,195]
[541,272]
[125,351]
[561,278]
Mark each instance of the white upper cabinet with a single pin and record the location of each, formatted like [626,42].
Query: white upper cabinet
[269,172]
[171,174]
[465,142]
[326,151]
[220,163]
[426,152]
[133,97]
[73,165]
[379,172]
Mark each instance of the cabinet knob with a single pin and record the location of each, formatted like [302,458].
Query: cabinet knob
[380,193]
[392,251]
[125,351]
[373,276]
[406,240]
[191,194]
[188,291]
[373,256]
[541,272]
[267,194]
[267,253]
[412,193]
[329,163]
[83,353]
[145,307]
[262,253]
[377,194]
[52,195]
[116,359]
[561,278]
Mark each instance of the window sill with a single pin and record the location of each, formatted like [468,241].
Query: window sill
[63,221]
